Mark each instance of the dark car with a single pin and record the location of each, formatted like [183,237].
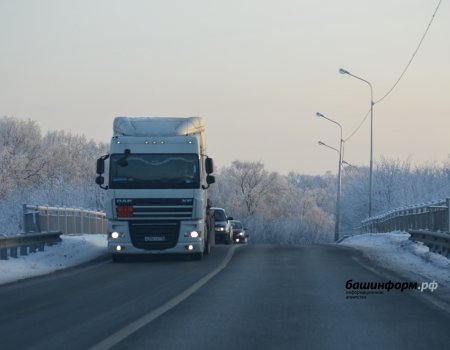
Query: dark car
[223,229]
[239,232]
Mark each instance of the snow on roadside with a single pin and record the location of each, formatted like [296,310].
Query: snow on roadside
[73,250]
[392,251]
[396,252]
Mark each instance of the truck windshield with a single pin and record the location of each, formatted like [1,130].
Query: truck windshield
[154,171]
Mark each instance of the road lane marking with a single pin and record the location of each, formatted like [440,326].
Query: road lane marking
[125,332]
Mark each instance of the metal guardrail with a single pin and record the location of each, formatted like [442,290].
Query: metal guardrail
[428,223]
[437,242]
[24,244]
[66,220]
[44,225]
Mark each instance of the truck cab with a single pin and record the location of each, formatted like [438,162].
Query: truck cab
[157,179]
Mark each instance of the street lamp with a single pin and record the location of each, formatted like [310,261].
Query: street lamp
[338,195]
[337,151]
[321,143]
[343,71]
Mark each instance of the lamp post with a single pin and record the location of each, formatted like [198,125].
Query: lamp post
[338,195]
[343,71]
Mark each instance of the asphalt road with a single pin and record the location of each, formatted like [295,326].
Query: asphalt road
[266,297]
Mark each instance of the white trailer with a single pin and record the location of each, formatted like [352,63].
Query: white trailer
[157,179]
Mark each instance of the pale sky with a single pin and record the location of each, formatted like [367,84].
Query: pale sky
[256,70]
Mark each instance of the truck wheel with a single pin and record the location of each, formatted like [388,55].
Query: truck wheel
[228,240]
[116,258]
[197,256]
[207,249]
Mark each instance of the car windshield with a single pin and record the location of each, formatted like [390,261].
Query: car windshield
[237,225]
[220,215]
[154,171]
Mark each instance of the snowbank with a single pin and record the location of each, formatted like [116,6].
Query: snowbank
[394,251]
[73,250]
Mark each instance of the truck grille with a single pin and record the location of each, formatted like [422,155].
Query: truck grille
[154,235]
[155,208]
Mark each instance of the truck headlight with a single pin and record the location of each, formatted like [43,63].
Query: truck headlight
[194,234]
[115,234]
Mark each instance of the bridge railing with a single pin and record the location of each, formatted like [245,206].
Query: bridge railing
[65,220]
[432,216]
[428,223]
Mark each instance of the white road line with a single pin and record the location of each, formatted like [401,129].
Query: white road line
[120,335]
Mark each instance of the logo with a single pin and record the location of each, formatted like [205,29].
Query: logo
[361,290]
[121,201]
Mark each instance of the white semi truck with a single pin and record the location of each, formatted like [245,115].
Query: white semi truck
[157,176]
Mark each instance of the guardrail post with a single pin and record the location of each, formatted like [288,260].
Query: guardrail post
[47,229]
[67,221]
[58,213]
[24,250]
[13,252]
[24,212]
[82,228]
[31,221]
[447,214]
[432,221]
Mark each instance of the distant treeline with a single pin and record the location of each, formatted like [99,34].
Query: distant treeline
[301,208]
[58,169]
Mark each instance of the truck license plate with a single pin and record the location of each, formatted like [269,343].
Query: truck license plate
[154,238]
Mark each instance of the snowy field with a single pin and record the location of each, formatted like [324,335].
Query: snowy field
[393,251]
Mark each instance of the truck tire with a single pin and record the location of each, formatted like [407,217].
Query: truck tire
[228,240]
[197,256]
[207,248]
[117,258]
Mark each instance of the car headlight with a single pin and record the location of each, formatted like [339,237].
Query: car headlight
[220,228]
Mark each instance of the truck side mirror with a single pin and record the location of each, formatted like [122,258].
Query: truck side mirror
[99,180]
[100,166]
[210,179]
[209,165]
[230,218]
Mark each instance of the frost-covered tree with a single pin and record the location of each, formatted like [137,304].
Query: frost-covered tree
[396,183]
[57,169]
[275,208]
[251,183]
[23,163]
